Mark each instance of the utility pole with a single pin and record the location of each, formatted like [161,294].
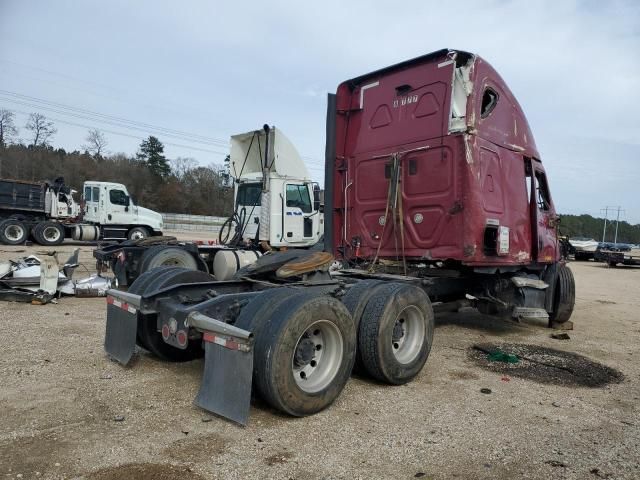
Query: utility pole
[604,231]
[606,209]
[615,239]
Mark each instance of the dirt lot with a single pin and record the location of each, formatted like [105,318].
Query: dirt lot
[60,396]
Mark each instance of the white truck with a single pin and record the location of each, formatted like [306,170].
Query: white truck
[275,199]
[277,207]
[49,213]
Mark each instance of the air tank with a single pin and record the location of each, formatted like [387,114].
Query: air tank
[86,232]
[227,262]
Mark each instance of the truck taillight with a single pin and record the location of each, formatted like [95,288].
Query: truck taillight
[181,337]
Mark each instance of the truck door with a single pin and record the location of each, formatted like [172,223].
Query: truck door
[248,199]
[297,214]
[118,210]
[92,203]
[543,215]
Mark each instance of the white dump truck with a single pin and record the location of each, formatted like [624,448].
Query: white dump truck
[49,213]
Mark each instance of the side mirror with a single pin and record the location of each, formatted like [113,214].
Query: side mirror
[127,201]
[316,197]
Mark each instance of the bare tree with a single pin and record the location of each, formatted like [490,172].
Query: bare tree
[8,129]
[41,129]
[182,165]
[96,142]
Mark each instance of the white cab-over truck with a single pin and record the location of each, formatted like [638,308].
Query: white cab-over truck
[277,207]
[276,201]
[49,213]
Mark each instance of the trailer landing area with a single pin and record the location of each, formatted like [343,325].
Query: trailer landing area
[68,411]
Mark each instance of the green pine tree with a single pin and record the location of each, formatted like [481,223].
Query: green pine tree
[152,153]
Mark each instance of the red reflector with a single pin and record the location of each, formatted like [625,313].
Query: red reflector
[165,331]
[181,336]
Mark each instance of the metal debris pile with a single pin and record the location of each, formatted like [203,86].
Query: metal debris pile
[39,280]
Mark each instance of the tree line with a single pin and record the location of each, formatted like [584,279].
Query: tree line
[179,185]
[591,227]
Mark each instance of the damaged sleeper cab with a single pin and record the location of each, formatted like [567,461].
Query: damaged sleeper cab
[435,194]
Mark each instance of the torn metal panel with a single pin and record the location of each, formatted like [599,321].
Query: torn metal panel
[5,269]
[461,88]
[35,280]
[49,274]
[71,264]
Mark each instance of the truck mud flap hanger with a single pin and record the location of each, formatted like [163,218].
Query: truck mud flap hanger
[225,388]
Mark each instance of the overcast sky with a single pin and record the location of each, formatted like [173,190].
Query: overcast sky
[211,69]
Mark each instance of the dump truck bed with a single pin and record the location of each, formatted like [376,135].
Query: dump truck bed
[20,195]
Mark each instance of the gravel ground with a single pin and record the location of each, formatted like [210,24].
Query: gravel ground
[60,397]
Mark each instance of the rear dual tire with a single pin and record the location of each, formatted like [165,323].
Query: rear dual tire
[49,233]
[395,333]
[304,349]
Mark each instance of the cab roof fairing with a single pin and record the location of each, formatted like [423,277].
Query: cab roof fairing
[506,125]
[247,157]
[471,75]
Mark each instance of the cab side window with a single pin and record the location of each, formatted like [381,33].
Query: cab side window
[298,196]
[542,192]
[87,194]
[96,194]
[118,197]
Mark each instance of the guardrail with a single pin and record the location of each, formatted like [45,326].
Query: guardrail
[183,221]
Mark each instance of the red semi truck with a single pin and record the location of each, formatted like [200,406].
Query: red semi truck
[435,193]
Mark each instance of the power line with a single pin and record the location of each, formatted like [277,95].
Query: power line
[110,119]
[128,135]
[115,124]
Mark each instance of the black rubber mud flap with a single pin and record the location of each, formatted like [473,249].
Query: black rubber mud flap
[228,369]
[120,335]
[226,382]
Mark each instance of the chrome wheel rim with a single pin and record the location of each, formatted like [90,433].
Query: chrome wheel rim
[51,234]
[138,235]
[317,356]
[408,334]
[14,232]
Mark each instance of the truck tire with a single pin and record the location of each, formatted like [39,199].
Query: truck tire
[138,233]
[564,297]
[49,233]
[13,232]
[304,354]
[257,312]
[253,316]
[150,337]
[167,256]
[395,333]
[356,300]
[358,296]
